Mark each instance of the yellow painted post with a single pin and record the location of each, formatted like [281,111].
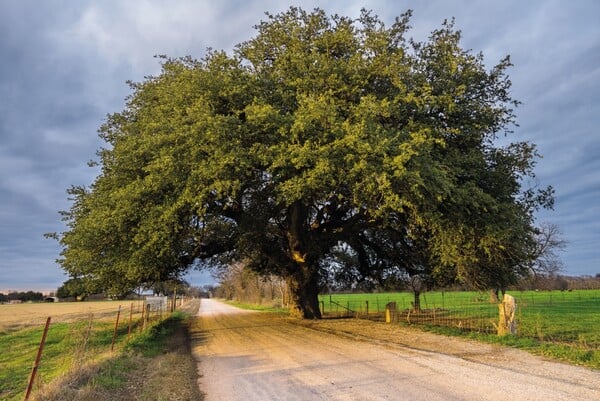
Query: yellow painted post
[390,311]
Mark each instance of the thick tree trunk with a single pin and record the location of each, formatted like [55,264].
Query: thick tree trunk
[304,294]
[416,300]
[303,275]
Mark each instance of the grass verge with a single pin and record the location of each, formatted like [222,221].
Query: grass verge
[574,353]
[155,365]
[259,307]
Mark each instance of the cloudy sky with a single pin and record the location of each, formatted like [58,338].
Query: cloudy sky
[65,63]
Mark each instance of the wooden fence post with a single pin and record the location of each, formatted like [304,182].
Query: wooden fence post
[130,318]
[147,317]
[38,358]
[143,325]
[390,312]
[507,323]
[112,346]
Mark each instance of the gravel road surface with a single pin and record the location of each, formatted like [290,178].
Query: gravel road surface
[252,356]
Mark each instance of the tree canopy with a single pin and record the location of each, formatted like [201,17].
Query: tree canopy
[320,140]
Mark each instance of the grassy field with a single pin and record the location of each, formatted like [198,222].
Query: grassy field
[563,325]
[19,316]
[79,334]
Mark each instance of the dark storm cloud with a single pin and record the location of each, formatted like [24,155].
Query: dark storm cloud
[65,63]
[41,115]
[559,83]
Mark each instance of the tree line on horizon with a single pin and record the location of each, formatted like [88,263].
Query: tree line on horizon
[22,296]
[245,285]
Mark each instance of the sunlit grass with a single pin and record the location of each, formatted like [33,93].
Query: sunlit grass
[260,307]
[562,325]
[69,342]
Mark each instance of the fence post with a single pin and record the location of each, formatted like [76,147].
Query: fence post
[38,358]
[112,346]
[145,322]
[130,318]
[367,308]
[390,312]
[507,323]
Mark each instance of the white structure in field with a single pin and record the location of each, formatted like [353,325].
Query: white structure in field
[156,303]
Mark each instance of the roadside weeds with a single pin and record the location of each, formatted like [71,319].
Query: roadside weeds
[157,366]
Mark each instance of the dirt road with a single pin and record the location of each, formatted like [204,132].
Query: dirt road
[249,356]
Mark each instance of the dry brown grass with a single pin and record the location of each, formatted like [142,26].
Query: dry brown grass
[18,316]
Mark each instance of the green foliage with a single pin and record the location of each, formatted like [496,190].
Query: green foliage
[319,136]
[76,288]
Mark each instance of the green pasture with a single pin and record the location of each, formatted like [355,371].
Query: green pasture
[564,325]
[429,300]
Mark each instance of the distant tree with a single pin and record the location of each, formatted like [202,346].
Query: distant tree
[198,292]
[34,296]
[23,296]
[77,287]
[170,287]
[539,264]
[544,255]
[319,134]
[241,283]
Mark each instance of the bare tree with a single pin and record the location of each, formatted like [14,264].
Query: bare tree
[548,244]
[237,281]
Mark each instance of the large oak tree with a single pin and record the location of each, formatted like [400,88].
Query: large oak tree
[319,137]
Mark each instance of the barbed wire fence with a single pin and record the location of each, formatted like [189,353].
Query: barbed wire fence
[539,315]
[98,334]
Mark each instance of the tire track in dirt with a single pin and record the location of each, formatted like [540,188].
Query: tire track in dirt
[245,355]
